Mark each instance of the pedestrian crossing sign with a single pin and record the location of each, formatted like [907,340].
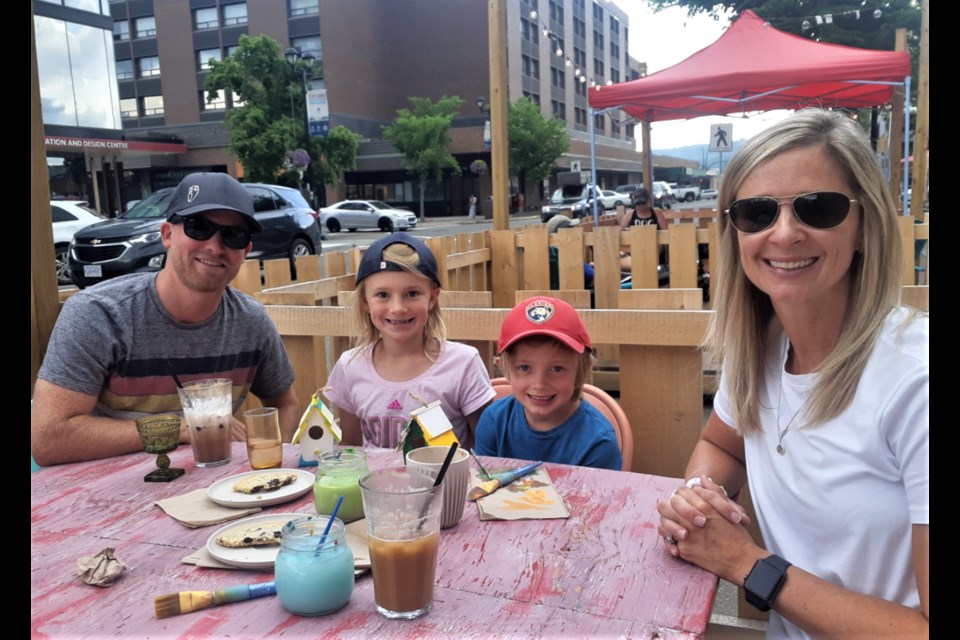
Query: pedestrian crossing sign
[721,137]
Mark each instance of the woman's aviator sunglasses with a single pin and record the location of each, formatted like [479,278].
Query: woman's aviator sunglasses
[199,228]
[819,210]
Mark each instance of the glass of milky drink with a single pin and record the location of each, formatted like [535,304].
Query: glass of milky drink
[208,411]
[402,511]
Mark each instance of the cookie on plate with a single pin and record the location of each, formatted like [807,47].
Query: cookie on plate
[256,535]
[264,482]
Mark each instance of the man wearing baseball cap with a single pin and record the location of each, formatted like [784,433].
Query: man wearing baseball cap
[642,214]
[117,346]
[545,354]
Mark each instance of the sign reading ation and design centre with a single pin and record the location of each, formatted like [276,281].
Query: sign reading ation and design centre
[115,146]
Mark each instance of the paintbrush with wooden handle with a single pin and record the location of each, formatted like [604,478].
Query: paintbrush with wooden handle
[175,604]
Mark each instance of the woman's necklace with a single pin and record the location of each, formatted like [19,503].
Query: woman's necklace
[783,432]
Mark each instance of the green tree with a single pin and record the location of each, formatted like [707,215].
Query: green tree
[536,142]
[422,135]
[332,155]
[262,129]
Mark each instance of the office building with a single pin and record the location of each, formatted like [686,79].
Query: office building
[155,124]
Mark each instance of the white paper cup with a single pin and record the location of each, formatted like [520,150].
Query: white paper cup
[456,482]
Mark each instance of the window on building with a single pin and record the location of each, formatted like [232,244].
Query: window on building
[597,13]
[121,30]
[579,4]
[124,69]
[580,58]
[558,78]
[614,128]
[529,31]
[309,44]
[598,122]
[614,26]
[556,12]
[559,109]
[234,14]
[614,49]
[149,66]
[145,27]
[206,19]
[219,102]
[304,7]
[232,49]
[235,100]
[204,56]
[598,67]
[597,40]
[579,27]
[580,86]
[558,46]
[128,108]
[580,116]
[614,75]
[153,105]
[532,97]
[530,67]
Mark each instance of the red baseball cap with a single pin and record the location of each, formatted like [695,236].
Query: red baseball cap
[544,316]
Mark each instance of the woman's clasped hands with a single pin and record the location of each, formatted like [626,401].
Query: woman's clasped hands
[702,525]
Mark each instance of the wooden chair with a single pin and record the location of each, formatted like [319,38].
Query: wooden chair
[605,404]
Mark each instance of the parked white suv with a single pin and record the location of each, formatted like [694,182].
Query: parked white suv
[69,216]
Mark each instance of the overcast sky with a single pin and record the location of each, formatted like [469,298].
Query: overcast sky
[670,36]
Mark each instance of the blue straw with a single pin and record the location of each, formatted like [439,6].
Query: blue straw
[330,520]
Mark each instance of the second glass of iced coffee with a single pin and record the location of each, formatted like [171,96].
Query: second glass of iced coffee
[208,412]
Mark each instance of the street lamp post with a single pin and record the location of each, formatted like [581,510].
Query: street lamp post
[293,56]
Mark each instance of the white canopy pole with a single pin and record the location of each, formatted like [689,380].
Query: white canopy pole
[906,146]
[593,166]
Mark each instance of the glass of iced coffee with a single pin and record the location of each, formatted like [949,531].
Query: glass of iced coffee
[208,412]
[402,511]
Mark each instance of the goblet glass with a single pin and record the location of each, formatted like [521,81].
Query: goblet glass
[160,434]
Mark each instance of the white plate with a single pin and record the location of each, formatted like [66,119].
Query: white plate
[249,557]
[223,494]
[264,557]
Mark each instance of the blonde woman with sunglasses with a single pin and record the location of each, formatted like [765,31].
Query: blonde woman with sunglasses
[823,403]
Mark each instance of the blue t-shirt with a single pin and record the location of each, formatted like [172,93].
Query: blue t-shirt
[586,439]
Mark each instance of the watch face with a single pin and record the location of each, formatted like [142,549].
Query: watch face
[764,580]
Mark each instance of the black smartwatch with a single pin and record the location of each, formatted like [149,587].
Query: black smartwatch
[764,581]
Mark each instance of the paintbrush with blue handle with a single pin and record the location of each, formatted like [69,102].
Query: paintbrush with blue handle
[175,604]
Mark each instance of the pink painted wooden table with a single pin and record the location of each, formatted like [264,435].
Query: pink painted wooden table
[602,572]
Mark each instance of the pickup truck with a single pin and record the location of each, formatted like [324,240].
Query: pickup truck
[685,194]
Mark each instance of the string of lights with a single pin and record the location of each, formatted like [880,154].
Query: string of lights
[808,22]
[579,74]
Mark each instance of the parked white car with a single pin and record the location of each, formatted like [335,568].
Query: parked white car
[69,216]
[611,199]
[708,194]
[366,214]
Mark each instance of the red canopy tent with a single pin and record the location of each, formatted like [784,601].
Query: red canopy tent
[754,67]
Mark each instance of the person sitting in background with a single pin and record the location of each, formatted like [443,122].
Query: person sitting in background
[115,345]
[823,405]
[545,354]
[642,213]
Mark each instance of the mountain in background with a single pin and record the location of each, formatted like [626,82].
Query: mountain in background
[698,153]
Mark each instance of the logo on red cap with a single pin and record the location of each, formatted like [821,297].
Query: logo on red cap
[539,311]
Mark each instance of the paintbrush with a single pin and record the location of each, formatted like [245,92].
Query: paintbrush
[188,601]
[498,480]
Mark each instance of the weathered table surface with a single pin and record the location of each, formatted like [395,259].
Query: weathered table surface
[601,572]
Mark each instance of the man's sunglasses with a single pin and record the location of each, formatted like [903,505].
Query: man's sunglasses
[819,210]
[199,228]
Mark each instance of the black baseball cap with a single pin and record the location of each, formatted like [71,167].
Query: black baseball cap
[373,262]
[641,195]
[200,192]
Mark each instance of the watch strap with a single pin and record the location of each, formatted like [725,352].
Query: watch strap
[764,601]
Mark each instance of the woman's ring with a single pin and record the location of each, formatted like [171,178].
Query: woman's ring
[670,539]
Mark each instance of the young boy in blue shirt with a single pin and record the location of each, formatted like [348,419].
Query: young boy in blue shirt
[545,354]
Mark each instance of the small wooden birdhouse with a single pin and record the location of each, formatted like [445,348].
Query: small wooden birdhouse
[318,432]
[429,426]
